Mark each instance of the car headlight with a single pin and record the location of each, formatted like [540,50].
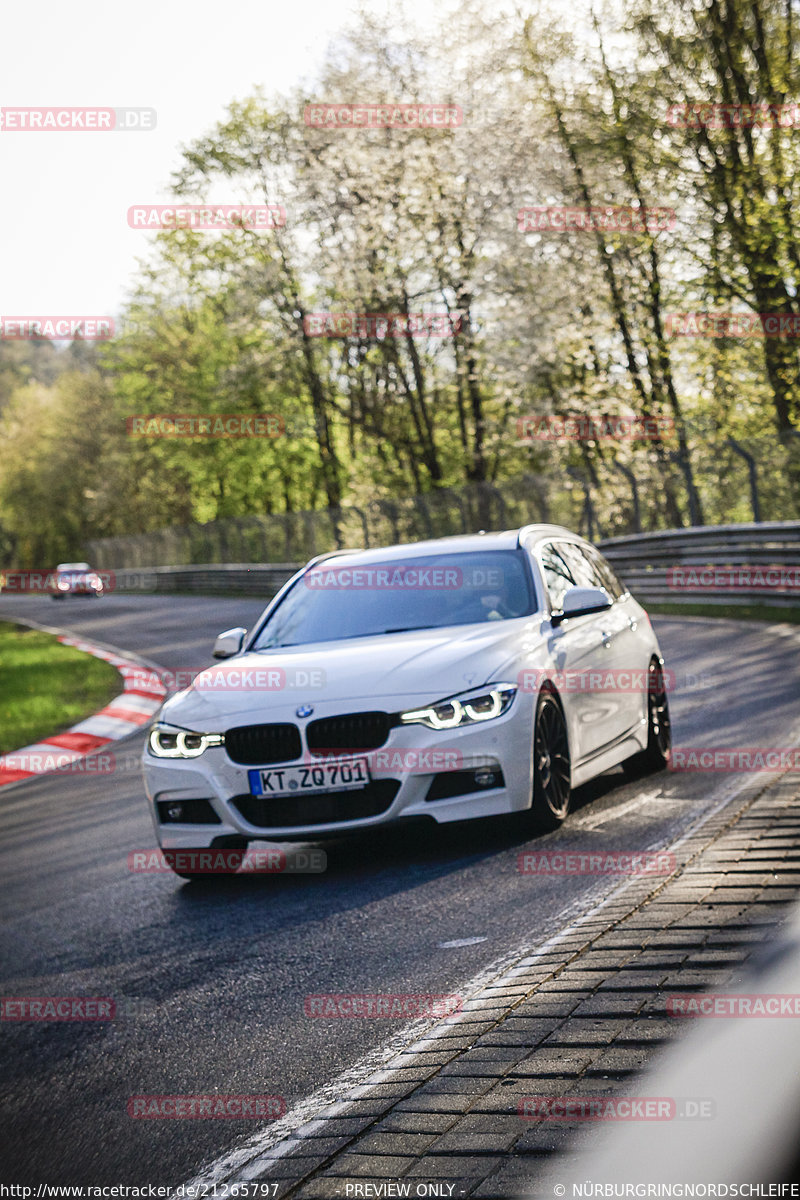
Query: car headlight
[167,742]
[469,709]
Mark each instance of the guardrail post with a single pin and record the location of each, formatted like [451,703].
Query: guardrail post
[311,534]
[501,501]
[420,505]
[588,507]
[363,520]
[485,493]
[752,471]
[631,478]
[459,503]
[679,457]
[535,484]
[389,507]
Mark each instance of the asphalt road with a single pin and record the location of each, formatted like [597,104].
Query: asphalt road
[216,973]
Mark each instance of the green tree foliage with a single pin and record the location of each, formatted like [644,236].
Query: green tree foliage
[425,220]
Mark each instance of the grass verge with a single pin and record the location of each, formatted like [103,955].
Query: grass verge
[46,687]
[736,612]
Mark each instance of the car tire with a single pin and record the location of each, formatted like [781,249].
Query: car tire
[551,765]
[656,755]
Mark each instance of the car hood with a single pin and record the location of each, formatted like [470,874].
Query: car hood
[382,672]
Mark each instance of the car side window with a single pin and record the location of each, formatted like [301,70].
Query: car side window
[603,568]
[581,566]
[557,573]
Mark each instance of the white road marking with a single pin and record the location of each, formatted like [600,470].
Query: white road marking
[784,631]
[460,942]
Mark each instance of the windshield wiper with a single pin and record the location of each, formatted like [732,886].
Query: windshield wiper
[410,628]
[344,637]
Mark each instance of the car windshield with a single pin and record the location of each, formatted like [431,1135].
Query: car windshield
[348,597]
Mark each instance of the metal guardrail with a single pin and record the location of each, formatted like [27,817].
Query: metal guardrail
[213,579]
[687,566]
[646,562]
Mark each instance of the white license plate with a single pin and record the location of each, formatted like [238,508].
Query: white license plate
[315,777]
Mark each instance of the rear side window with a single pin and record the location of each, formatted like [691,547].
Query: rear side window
[557,572]
[568,564]
[583,569]
[610,582]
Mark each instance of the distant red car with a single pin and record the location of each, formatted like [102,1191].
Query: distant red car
[76,579]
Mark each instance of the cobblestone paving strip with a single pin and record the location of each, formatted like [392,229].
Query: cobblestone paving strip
[583,1016]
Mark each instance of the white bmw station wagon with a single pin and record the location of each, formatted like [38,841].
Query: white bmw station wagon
[456,678]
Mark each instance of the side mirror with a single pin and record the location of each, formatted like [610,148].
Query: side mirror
[230,642]
[580,601]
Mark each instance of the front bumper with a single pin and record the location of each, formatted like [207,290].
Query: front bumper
[501,746]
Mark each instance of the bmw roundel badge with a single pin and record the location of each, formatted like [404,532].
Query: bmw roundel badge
[305,710]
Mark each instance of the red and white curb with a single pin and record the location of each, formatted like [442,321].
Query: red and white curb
[142,696]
